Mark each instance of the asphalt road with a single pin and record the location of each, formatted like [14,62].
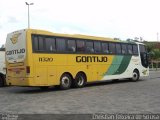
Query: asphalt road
[107,97]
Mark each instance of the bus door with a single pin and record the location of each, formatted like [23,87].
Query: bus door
[144,56]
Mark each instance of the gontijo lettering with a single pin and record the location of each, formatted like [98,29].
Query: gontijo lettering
[17,51]
[91,59]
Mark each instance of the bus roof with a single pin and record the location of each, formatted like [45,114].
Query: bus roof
[35,31]
[80,36]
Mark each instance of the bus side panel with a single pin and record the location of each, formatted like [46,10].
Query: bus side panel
[75,65]
[52,75]
[102,68]
[41,76]
[48,68]
[125,69]
[94,70]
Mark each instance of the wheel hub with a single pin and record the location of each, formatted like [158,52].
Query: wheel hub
[80,81]
[135,76]
[65,81]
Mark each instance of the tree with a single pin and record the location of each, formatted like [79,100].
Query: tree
[150,46]
[156,54]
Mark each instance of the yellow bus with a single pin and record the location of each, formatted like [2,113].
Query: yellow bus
[41,58]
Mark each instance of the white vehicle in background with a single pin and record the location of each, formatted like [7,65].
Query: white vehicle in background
[2,69]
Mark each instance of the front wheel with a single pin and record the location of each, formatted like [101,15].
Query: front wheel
[135,75]
[80,80]
[65,81]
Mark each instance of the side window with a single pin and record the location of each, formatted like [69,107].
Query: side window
[35,43]
[112,48]
[135,49]
[118,48]
[124,48]
[50,44]
[40,43]
[97,47]
[105,48]
[71,45]
[80,46]
[130,51]
[61,44]
[89,47]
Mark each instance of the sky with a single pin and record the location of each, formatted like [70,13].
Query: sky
[107,18]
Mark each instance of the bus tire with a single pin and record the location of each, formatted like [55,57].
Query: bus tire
[2,80]
[80,80]
[65,81]
[135,76]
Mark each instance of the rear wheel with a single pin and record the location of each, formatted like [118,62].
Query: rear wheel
[80,80]
[65,81]
[135,75]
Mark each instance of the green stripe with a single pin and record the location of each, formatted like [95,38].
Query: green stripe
[115,65]
[124,64]
[119,65]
